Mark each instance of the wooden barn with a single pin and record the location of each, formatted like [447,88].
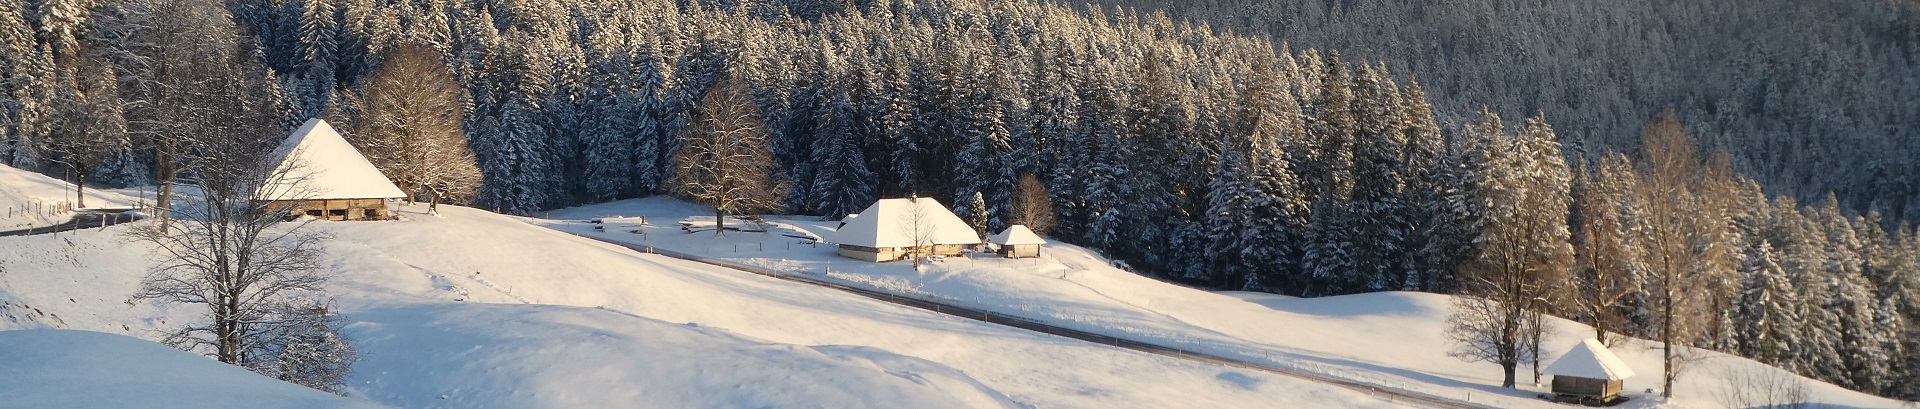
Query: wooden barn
[1017,241]
[892,229]
[1588,374]
[319,174]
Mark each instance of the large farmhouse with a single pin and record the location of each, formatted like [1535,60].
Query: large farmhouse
[319,174]
[892,229]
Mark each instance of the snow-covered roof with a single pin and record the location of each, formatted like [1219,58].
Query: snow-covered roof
[884,224]
[325,166]
[1016,234]
[1590,359]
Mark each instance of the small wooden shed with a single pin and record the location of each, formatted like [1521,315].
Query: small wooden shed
[1017,242]
[319,174]
[1588,373]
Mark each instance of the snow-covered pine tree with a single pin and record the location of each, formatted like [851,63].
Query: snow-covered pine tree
[979,218]
[1771,311]
[1426,191]
[512,152]
[983,165]
[23,68]
[1326,165]
[607,137]
[1857,358]
[911,115]
[1159,131]
[794,101]
[1230,202]
[318,46]
[361,34]
[60,25]
[652,126]
[841,182]
[1259,227]
[1379,201]
[1005,126]
[1328,254]
[1107,175]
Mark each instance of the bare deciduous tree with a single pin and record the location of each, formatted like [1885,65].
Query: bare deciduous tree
[1747,387]
[1605,257]
[1032,205]
[725,159]
[1685,232]
[917,225]
[230,253]
[409,126]
[1522,249]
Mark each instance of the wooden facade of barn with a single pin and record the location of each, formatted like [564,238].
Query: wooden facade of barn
[895,253]
[1578,387]
[335,209]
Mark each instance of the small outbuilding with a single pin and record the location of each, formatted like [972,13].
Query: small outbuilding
[1017,241]
[892,229]
[1588,374]
[319,174]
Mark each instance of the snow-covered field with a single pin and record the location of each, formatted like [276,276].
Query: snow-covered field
[1389,339]
[474,310]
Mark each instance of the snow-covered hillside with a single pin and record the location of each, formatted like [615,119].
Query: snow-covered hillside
[471,309]
[1390,339]
[29,199]
[480,257]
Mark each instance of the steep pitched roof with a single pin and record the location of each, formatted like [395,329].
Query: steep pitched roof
[1016,234]
[326,167]
[884,224]
[1590,359]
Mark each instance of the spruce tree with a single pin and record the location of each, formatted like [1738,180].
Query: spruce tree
[841,182]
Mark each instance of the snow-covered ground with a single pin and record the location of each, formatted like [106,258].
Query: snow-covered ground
[29,199]
[1390,339]
[83,369]
[470,309]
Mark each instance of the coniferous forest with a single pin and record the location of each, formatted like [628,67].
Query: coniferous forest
[1178,148]
[1807,97]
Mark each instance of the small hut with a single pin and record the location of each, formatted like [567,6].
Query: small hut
[892,229]
[1017,241]
[319,174]
[1588,373]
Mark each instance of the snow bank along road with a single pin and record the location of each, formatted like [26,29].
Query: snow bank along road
[1393,394]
